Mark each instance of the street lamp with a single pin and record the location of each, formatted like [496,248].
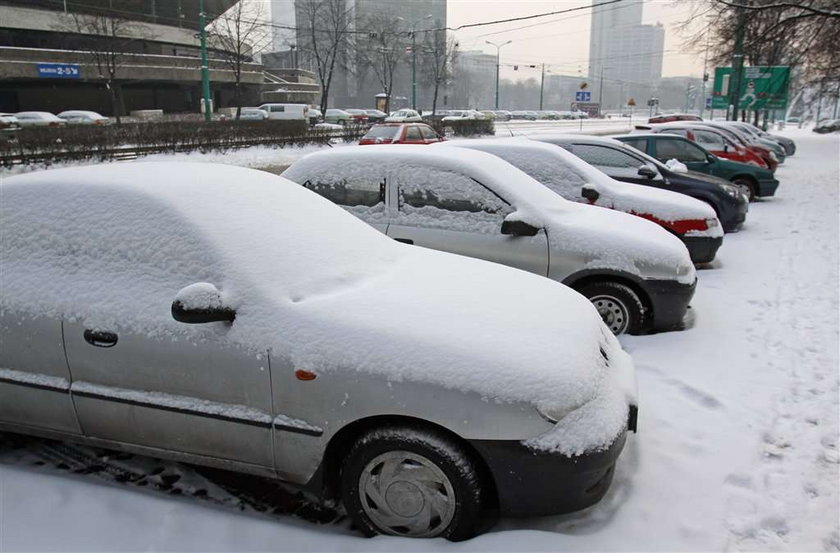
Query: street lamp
[601,90]
[414,59]
[498,48]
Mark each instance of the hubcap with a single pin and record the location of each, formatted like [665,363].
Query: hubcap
[613,313]
[405,494]
[744,188]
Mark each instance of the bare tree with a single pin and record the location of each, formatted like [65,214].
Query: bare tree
[439,54]
[384,48]
[106,39]
[237,35]
[325,29]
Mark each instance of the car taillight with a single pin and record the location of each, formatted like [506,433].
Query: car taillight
[53,124]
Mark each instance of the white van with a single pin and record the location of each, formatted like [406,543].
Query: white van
[286,111]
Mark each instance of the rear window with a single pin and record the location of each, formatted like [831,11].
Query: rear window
[383,132]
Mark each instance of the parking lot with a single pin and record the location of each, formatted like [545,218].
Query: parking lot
[737,445]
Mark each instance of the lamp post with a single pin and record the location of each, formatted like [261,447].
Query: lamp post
[414,59]
[205,72]
[601,90]
[498,48]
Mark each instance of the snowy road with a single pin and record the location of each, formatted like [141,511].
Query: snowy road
[737,447]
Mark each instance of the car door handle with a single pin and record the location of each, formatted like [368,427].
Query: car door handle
[100,338]
[405,240]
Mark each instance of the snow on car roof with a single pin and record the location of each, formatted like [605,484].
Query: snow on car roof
[83,113]
[111,246]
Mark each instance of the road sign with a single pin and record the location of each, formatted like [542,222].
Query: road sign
[583,96]
[631,102]
[59,70]
[592,109]
[761,88]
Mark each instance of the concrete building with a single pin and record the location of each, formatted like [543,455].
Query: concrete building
[627,54]
[46,64]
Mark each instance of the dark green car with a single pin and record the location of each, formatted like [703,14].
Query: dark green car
[753,181]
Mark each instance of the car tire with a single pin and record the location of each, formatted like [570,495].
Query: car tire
[442,494]
[746,185]
[619,306]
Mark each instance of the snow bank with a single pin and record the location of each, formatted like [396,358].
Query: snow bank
[111,246]
[608,239]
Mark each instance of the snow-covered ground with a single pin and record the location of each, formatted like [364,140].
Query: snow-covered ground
[738,433]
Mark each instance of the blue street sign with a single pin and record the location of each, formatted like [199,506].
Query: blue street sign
[59,70]
[709,102]
[583,96]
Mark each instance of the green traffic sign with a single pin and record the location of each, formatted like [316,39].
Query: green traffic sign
[761,88]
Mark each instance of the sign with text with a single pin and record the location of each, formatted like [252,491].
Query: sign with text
[592,109]
[761,87]
[59,70]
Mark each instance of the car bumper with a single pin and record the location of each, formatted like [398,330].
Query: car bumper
[767,187]
[735,217]
[702,249]
[533,483]
[669,300]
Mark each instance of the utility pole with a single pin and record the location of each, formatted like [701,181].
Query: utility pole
[414,59]
[205,73]
[542,86]
[705,70]
[498,49]
[737,69]
[601,91]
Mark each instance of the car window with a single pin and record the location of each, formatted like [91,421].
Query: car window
[428,133]
[681,150]
[353,185]
[548,169]
[412,133]
[278,109]
[709,140]
[605,156]
[439,198]
[638,143]
[382,132]
[678,132]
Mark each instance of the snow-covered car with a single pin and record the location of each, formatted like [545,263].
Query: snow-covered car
[524,115]
[401,133]
[337,116]
[359,115]
[376,116]
[228,317]
[465,115]
[39,119]
[692,221]
[404,116]
[475,204]
[83,117]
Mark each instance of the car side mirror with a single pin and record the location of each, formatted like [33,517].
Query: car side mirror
[518,228]
[590,193]
[710,158]
[647,171]
[201,303]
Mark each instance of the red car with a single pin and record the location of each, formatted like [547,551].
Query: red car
[711,139]
[673,117]
[401,133]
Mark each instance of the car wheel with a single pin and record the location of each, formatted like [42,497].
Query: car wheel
[746,186]
[412,482]
[620,307]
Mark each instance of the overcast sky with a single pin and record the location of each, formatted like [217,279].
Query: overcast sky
[561,41]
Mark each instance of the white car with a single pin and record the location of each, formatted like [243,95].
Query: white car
[228,317]
[8,122]
[404,116]
[39,119]
[83,117]
[252,114]
[465,115]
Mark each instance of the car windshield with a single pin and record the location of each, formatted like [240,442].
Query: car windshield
[382,132]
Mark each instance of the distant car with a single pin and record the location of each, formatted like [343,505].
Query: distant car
[674,117]
[770,151]
[252,114]
[751,180]
[827,126]
[39,119]
[625,163]
[404,116]
[337,116]
[8,122]
[793,120]
[520,114]
[359,115]
[295,112]
[376,116]
[787,144]
[639,276]
[277,335]
[502,115]
[315,116]
[693,222]
[465,115]
[401,133]
[82,117]
[488,114]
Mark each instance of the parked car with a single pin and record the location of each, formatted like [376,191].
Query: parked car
[359,116]
[502,115]
[752,181]
[714,140]
[39,119]
[488,114]
[286,111]
[84,117]
[667,118]
[523,115]
[464,115]
[827,126]
[337,116]
[8,122]
[315,116]
[770,151]
[787,144]
[376,116]
[693,222]
[472,203]
[401,133]
[625,163]
[269,336]
[404,116]
[252,114]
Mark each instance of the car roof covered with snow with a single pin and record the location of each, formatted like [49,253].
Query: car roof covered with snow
[113,245]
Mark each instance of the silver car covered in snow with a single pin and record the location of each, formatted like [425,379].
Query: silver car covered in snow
[228,317]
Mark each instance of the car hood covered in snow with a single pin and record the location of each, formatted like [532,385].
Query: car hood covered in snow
[111,246]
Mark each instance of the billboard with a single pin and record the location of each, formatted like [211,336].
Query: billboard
[761,88]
